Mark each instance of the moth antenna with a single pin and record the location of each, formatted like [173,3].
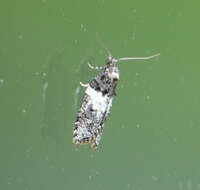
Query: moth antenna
[102,45]
[138,58]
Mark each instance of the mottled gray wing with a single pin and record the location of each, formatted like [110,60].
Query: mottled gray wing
[91,118]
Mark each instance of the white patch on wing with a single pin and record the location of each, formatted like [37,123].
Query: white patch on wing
[99,102]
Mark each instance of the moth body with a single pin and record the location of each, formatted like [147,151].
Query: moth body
[97,102]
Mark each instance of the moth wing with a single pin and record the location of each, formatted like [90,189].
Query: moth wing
[91,118]
[95,142]
[82,133]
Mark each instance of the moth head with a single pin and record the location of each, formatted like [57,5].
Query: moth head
[111,60]
[113,71]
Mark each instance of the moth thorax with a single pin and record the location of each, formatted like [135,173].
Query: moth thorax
[113,73]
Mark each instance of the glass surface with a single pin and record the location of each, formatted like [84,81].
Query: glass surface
[151,138]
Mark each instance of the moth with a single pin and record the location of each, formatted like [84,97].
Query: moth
[97,101]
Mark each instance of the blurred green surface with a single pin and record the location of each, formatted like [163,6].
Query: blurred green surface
[151,138]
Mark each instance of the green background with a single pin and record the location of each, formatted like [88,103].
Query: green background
[151,138]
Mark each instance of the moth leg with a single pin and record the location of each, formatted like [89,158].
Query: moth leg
[94,67]
[84,85]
